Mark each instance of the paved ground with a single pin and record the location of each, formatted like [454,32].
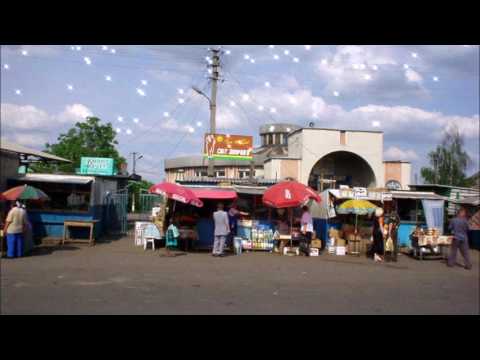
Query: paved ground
[117,278]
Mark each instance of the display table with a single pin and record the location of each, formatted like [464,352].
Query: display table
[79,223]
[430,245]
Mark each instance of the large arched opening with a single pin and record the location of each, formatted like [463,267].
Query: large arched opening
[341,168]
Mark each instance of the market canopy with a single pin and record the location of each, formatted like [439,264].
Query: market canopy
[176,192]
[289,194]
[214,194]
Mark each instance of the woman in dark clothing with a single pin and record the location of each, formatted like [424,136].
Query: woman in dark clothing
[378,246]
[393,222]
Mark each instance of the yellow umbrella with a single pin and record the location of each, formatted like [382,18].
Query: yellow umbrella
[357,207]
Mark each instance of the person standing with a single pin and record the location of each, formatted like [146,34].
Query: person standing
[306,224]
[233,216]
[393,222]
[15,226]
[459,228]
[222,229]
[378,235]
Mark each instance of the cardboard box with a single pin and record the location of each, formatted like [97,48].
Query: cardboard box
[340,251]
[314,252]
[316,244]
[291,250]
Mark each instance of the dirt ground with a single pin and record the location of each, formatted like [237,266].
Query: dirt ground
[118,278]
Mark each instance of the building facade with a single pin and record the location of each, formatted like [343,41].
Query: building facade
[321,158]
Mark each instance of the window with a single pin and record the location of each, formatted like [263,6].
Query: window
[277,139]
[201,173]
[244,174]
[220,173]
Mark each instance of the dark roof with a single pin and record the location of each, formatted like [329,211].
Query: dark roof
[440,186]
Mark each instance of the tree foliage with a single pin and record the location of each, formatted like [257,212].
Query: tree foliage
[448,161]
[88,138]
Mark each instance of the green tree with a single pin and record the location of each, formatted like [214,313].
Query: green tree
[448,161]
[88,138]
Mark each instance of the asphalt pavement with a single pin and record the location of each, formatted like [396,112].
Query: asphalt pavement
[118,278]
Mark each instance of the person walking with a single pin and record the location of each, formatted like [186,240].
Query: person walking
[306,223]
[459,228]
[393,222]
[222,229]
[15,226]
[378,236]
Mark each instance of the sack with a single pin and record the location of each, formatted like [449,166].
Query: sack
[389,245]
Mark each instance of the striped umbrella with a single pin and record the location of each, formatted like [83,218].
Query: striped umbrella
[25,192]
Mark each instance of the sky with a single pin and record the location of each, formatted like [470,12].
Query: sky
[413,93]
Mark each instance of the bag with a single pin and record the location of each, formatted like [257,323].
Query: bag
[389,245]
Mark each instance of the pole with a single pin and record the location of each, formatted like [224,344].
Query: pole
[134,154]
[213,103]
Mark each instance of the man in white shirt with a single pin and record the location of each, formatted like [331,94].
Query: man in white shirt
[222,229]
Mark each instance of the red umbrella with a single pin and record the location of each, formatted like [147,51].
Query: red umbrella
[289,194]
[177,193]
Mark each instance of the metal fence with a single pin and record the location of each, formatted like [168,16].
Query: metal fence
[148,201]
[117,212]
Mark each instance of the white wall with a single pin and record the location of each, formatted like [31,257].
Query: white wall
[406,171]
[317,143]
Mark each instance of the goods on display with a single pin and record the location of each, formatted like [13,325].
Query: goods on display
[255,236]
[287,250]
[340,250]
[314,252]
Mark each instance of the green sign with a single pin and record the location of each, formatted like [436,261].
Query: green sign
[97,166]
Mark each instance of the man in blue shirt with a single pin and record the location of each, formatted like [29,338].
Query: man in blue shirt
[459,228]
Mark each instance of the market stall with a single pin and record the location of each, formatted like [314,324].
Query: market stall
[202,221]
[415,210]
[179,209]
[345,229]
[71,198]
[289,196]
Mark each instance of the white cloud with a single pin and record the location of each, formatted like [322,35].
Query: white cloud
[33,127]
[395,153]
[29,117]
[413,76]
[74,113]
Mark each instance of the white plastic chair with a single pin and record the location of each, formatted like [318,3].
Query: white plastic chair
[149,235]
[148,239]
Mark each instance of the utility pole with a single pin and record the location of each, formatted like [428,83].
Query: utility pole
[215,65]
[134,155]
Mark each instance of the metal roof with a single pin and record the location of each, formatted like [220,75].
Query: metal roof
[468,200]
[418,195]
[54,178]
[19,149]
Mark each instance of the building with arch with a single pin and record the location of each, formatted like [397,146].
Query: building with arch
[322,158]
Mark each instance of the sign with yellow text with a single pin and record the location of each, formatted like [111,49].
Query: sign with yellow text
[234,147]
